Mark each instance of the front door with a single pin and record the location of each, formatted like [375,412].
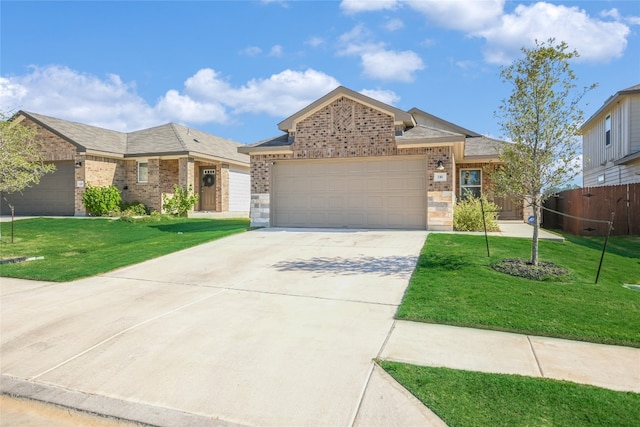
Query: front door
[508,208]
[207,189]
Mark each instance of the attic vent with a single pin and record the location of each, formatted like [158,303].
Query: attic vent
[196,140]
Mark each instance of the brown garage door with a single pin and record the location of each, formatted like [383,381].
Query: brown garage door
[54,195]
[364,193]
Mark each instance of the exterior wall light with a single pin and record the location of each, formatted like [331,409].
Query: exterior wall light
[440,165]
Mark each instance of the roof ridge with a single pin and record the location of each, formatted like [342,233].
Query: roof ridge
[183,143]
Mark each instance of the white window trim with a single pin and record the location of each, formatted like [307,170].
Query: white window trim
[471,186]
[607,130]
[138,163]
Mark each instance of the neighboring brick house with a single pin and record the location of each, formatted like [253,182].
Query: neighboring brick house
[611,141]
[142,165]
[348,160]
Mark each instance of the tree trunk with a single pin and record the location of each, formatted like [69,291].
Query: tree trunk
[536,226]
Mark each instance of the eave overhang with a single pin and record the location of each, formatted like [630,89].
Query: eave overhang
[627,159]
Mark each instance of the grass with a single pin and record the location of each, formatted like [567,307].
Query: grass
[73,247]
[463,398]
[454,284]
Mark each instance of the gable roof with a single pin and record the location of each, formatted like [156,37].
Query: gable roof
[482,147]
[434,121]
[341,91]
[164,140]
[83,136]
[633,90]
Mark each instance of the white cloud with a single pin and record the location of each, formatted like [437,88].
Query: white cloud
[276,51]
[356,6]
[251,51]
[61,92]
[393,25]
[391,65]
[282,94]
[462,15]
[182,108]
[315,41]
[615,15]
[595,40]
[377,61]
[386,96]
[207,97]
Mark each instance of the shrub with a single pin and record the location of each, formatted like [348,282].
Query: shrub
[101,201]
[182,201]
[467,214]
[134,209]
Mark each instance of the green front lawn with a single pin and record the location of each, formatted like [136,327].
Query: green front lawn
[79,247]
[463,398]
[454,284]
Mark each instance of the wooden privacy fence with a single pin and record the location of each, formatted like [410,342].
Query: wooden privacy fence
[595,203]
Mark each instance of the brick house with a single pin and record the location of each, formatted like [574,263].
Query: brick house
[348,160]
[142,165]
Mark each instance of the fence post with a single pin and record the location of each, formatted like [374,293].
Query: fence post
[484,223]
[604,247]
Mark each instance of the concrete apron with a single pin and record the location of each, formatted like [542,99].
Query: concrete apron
[270,327]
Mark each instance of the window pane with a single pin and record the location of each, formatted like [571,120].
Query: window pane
[143,172]
[470,177]
[470,192]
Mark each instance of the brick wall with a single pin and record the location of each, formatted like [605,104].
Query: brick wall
[346,129]
[349,129]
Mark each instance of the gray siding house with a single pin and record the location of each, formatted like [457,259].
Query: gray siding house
[611,141]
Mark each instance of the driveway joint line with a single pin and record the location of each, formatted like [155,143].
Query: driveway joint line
[535,356]
[122,332]
[228,288]
[368,380]
[363,392]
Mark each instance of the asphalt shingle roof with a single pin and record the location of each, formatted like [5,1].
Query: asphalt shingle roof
[482,146]
[166,139]
[89,137]
[422,131]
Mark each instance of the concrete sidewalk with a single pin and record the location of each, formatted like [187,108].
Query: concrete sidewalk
[606,366]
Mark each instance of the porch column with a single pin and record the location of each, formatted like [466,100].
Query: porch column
[186,172]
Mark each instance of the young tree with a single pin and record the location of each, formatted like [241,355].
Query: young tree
[21,160]
[541,118]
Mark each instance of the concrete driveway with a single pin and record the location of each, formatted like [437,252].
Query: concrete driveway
[270,327]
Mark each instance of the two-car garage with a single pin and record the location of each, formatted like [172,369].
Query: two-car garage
[381,192]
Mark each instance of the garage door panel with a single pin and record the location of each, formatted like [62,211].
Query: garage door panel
[356,201]
[336,202]
[397,183]
[357,193]
[374,184]
[54,194]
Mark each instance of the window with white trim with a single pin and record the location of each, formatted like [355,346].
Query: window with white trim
[470,183]
[143,172]
[607,131]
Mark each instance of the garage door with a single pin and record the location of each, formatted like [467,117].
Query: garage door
[365,193]
[54,195]
[239,190]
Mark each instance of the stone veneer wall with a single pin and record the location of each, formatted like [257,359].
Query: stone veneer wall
[348,129]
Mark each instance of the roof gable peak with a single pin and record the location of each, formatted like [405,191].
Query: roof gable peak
[399,115]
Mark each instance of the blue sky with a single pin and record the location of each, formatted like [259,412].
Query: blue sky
[237,68]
